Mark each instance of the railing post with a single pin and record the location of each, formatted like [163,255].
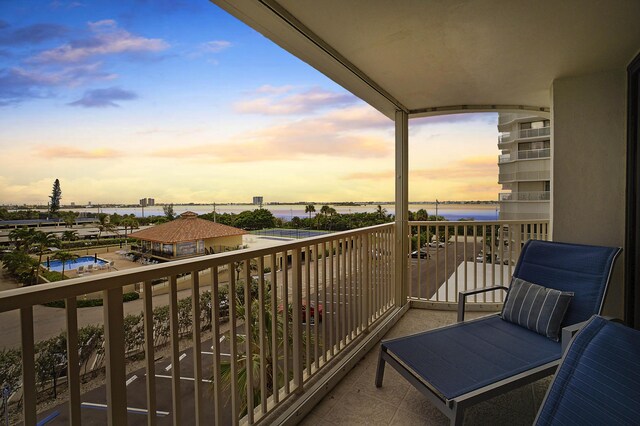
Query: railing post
[401,206]
[298,365]
[29,395]
[114,357]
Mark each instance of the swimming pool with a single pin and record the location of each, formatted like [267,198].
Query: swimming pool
[56,265]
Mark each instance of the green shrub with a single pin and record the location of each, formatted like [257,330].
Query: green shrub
[91,303]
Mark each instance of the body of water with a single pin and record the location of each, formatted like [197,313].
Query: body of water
[287,211]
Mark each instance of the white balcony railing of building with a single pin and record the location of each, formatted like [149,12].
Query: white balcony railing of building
[525,196]
[524,176]
[506,137]
[457,256]
[524,155]
[309,301]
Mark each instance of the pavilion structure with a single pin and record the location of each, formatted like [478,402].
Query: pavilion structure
[187,236]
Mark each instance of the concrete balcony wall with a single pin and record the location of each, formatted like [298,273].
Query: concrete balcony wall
[589,165]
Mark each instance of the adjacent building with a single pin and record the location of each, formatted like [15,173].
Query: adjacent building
[524,166]
[187,236]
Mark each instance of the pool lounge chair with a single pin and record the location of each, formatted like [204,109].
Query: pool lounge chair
[90,267]
[80,270]
[468,362]
[598,380]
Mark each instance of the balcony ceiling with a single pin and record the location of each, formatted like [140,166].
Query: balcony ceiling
[431,57]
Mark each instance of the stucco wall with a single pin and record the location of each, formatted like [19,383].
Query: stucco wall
[589,160]
[232,241]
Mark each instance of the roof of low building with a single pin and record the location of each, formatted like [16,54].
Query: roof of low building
[187,227]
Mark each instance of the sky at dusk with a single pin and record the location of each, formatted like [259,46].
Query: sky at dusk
[178,101]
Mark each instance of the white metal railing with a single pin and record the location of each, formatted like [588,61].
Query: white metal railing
[506,137]
[504,158]
[456,256]
[533,153]
[308,301]
[525,196]
[523,176]
[534,133]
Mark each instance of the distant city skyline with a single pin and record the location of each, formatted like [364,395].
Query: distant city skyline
[180,100]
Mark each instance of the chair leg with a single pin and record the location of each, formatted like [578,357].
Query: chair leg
[380,370]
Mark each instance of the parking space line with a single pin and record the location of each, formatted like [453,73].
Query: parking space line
[183,356]
[211,353]
[131,380]
[190,379]
[129,409]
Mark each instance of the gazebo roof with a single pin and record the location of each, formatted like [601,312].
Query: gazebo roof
[187,227]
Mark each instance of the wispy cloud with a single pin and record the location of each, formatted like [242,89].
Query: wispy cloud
[283,102]
[107,39]
[18,84]
[215,46]
[31,34]
[67,151]
[101,98]
[461,170]
[312,137]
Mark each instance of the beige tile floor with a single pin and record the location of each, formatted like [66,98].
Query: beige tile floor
[356,400]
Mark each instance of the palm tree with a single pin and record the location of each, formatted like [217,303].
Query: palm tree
[130,223]
[69,236]
[22,237]
[41,241]
[382,212]
[310,208]
[104,224]
[64,257]
[250,364]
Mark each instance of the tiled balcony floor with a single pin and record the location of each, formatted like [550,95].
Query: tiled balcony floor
[356,400]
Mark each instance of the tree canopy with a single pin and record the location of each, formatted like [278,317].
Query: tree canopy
[56,196]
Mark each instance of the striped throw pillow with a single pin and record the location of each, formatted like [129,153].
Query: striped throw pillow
[537,308]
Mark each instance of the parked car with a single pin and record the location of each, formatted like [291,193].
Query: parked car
[424,254]
[434,244]
[303,312]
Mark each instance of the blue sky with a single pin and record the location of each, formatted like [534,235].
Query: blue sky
[179,101]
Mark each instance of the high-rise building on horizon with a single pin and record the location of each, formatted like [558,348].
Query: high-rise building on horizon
[258,200]
[524,166]
[147,202]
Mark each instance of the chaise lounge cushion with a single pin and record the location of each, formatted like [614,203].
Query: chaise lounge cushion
[467,356]
[535,307]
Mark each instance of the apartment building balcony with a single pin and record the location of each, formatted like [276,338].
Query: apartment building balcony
[530,154]
[525,196]
[347,277]
[508,137]
[524,176]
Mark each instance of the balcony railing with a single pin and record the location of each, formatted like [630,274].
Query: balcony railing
[524,176]
[525,196]
[506,137]
[309,302]
[458,256]
[310,305]
[524,155]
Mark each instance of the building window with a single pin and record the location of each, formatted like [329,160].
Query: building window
[547,185]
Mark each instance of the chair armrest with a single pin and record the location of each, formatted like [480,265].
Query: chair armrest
[567,333]
[462,297]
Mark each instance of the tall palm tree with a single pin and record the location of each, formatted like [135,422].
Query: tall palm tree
[250,364]
[41,241]
[69,236]
[64,257]
[104,224]
[130,223]
[310,208]
[22,237]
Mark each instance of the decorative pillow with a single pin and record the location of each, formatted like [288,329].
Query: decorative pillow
[537,308]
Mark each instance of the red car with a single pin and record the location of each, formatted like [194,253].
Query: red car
[303,312]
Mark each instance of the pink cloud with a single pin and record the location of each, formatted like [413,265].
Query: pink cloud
[66,151]
[283,102]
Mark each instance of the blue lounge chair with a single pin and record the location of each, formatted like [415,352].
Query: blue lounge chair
[468,362]
[598,381]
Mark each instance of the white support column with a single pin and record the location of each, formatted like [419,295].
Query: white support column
[402,210]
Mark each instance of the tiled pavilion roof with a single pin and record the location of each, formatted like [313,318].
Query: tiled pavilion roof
[187,227]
